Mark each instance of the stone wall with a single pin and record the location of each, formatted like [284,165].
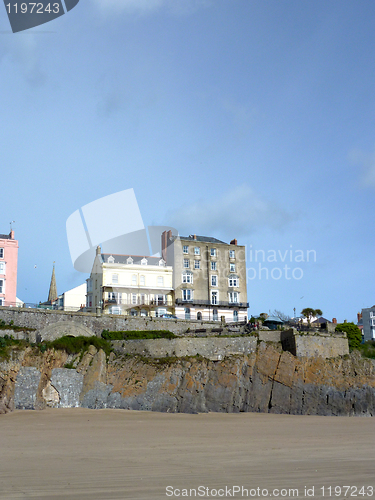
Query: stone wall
[210,348]
[314,344]
[33,318]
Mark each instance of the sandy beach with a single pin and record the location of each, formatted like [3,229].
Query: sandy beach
[118,454]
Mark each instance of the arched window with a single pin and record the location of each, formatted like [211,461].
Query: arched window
[199,315]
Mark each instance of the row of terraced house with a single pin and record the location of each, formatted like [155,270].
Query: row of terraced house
[195,277]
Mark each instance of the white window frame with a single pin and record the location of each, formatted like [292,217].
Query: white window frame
[2,286]
[197,251]
[233,297]
[129,260]
[214,297]
[232,267]
[134,298]
[2,267]
[185,249]
[213,252]
[197,264]
[115,310]
[186,264]
[187,294]
[134,279]
[144,261]
[214,280]
[233,281]
[160,281]
[232,254]
[142,280]
[1,253]
[115,278]
[187,277]
[213,266]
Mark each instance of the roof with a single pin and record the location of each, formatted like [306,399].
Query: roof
[122,259]
[273,319]
[202,239]
[4,237]
[321,320]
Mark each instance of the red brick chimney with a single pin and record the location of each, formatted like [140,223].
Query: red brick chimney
[233,242]
[359,317]
[334,320]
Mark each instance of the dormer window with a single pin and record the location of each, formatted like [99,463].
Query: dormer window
[162,263]
[144,261]
[111,259]
[129,260]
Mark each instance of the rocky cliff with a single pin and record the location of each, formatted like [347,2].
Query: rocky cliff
[268,380]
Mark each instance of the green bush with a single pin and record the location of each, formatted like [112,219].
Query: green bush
[75,345]
[353,333]
[368,349]
[7,342]
[134,335]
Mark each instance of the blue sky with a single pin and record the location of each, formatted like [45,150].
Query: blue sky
[230,118]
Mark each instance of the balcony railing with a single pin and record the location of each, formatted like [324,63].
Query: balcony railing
[219,303]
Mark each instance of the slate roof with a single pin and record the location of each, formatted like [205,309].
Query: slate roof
[122,259]
[203,239]
[4,237]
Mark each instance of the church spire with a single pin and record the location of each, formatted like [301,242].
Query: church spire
[52,288]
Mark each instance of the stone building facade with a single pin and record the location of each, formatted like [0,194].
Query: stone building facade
[209,277]
[125,284]
[8,269]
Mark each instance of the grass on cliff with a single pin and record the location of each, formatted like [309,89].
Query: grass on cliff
[11,326]
[76,345]
[6,343]
[138,335]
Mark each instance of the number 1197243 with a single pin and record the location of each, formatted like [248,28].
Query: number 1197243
[29,8]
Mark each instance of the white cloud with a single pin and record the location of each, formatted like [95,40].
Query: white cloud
[366,162]
[237,213]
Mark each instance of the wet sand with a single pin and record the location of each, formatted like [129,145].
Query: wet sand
[118,454]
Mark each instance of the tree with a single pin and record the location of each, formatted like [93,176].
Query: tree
[352,332]
[309,313]
[281,315]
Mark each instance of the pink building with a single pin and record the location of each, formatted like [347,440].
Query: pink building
[8,269]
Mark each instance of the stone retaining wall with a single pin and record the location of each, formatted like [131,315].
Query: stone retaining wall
[211,348]
[33,318]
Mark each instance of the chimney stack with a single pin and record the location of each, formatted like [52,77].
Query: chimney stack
[359,317]
[334,320]
[98,250]
[233,242]
[195,236]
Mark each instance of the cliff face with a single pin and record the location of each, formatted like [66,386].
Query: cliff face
[268,380]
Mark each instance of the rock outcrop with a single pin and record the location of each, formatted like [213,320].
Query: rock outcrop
[268,380]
